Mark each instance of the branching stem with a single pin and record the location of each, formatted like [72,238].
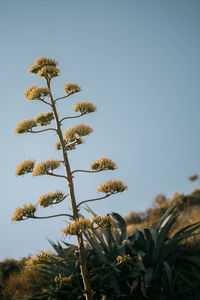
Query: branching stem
[86,171]
[95,199]
[56,175]
[73,117]
[53,216]
[43,130]
[61,98]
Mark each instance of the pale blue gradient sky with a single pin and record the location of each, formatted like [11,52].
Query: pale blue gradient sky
[138,62]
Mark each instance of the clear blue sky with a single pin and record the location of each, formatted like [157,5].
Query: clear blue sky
[138,62]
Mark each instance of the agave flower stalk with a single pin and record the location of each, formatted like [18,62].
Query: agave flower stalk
[69,140]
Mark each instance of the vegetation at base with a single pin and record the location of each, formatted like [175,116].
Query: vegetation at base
[150,255]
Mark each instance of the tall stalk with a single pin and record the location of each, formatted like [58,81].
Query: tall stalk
[81,248]
[47,68]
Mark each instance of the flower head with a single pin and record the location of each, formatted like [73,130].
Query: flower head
[45,67]
[194,177]
[84,107]
[78,226]
[76,132]
[51,198]
[44,119]
[103,164]
[41,258]
[48,72]
[36,92]
[25,167]
[24,212]
[25,126]
[112,187]
[71,88]
[103,222]
[45,166]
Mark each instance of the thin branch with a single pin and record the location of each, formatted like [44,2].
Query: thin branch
[62,97]
[56,175]
[70,144]
[53,216]
[82,114]
[95,199]
[86,171]
[42,100]
[38,131]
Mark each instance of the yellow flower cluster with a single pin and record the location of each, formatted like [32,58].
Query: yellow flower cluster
[112,187]
[103,222]
[64,280]
[36,92]
[78,226]
[45,67]
[25,167]
[121,259]
[194,177]
[25,126]
[51,198]
[44,119]
[41,258]
[103,164]
[84,107]
[71,88]
[76,132]
[45,166]
[83,224]
[24,212]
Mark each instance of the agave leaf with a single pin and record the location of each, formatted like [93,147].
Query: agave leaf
[165,218]
[120,226]
[193,259]
[168,272]
[149,241]
[189,233]
[95,245]
[183,230]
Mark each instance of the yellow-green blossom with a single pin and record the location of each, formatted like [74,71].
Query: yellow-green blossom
[25,167]
[48,72]
[42,62]
[36,92]
[25,126]
[121,259]
[103,222]
[112,187]
[71,88]
[76,132]
[194,177]
[44,167]
[78,226]
[51,198]
[24,212]
[41,258]
[44,119]
[84,107]
[103,164]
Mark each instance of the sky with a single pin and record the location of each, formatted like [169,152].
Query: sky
[138,63]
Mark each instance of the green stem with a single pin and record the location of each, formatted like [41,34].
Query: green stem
[83,265]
